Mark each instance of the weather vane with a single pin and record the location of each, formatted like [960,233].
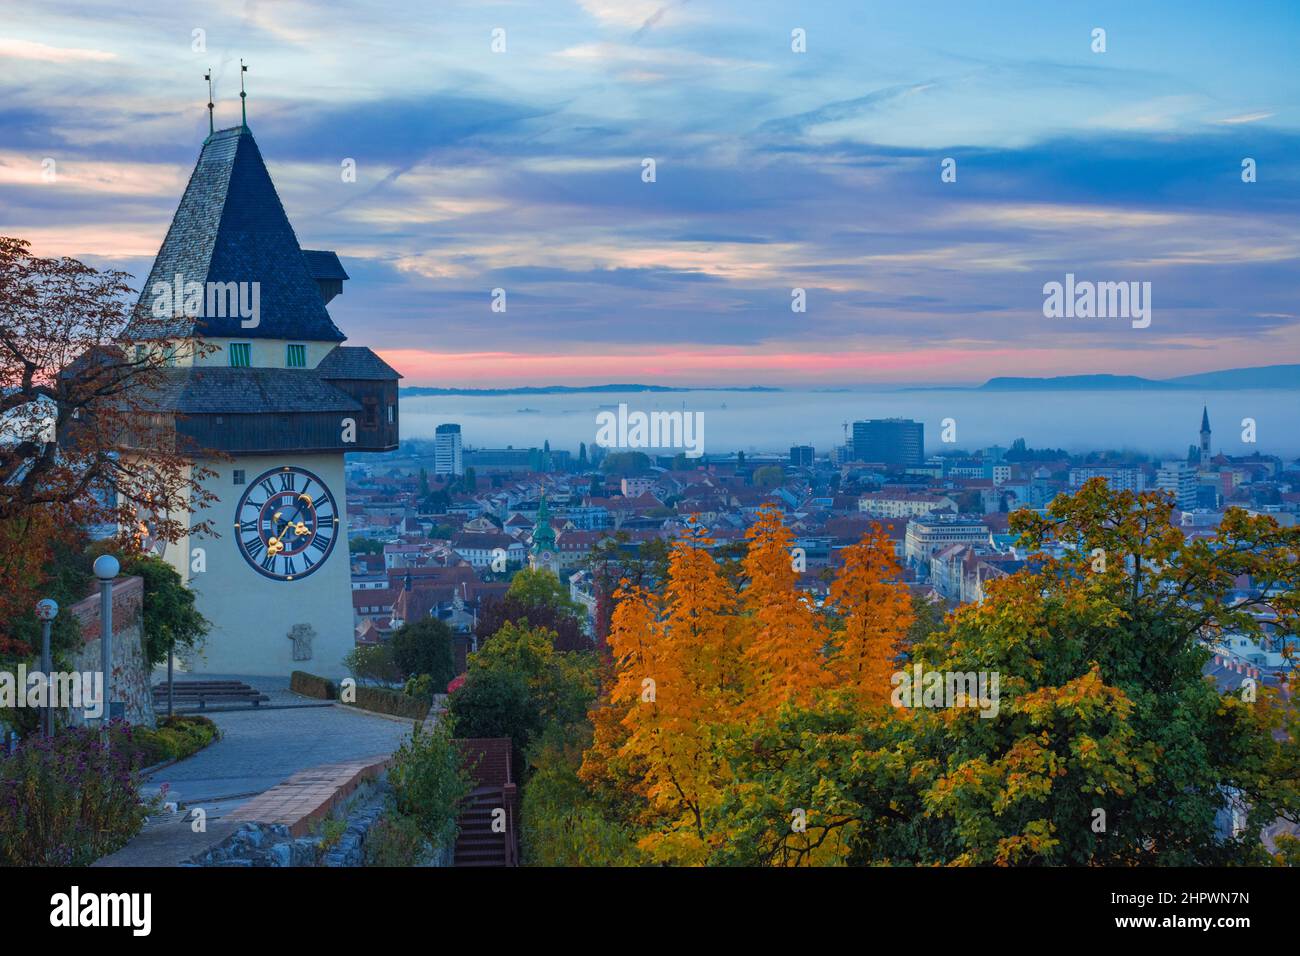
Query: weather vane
[208,76]
[243,97]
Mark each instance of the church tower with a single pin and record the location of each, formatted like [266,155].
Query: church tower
[1205,437]
[544,552]
[280,398]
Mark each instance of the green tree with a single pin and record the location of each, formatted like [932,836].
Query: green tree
[517,684]
[769,476]
[171,619]
[541,587]
[429,782]
[564,823]
[1106,746]
[424,647]
[625,463]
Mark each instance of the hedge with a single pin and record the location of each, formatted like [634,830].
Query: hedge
[309,685]
[383,700]
[175,739]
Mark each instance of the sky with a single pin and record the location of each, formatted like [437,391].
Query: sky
[774,170]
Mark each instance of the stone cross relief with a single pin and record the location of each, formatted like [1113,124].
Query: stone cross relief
[302,635]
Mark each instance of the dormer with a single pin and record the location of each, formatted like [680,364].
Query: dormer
[326,269]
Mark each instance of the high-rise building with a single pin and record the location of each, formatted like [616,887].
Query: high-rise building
[801,456]
[1119,479]
[896,442]
[1179,479]
[446,451]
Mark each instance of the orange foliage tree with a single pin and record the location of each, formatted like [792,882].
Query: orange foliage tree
[701,659]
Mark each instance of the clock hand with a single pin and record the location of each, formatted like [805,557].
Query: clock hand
[293,521]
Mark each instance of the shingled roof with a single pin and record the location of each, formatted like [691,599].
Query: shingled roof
[217,390]
[355,363]
[231,227]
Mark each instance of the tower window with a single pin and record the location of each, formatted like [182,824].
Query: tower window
[297,357]
[241,354]
[238,475]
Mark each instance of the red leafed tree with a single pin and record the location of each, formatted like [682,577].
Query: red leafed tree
[85,438]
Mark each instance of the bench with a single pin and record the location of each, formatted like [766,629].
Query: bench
[203,692]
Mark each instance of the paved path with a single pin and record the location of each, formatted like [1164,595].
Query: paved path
[260,748]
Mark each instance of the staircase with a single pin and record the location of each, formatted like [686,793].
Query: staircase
[488,763]
[477,845]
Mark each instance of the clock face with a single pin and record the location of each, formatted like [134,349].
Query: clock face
[286,523]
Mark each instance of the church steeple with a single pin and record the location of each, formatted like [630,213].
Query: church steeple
[543,554]
[1205,436]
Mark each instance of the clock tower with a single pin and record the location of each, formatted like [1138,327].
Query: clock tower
[544,552]
[280,398]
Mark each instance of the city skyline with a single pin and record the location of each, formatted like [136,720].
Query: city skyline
[775,170]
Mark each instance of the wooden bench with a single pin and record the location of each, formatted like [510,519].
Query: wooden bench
[203,692]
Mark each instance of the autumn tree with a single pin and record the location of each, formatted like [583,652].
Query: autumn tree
[680,675]
[874,612]
[84,436]
[785,636]
[1107,745]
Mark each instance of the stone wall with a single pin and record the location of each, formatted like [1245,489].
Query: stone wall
[131,673]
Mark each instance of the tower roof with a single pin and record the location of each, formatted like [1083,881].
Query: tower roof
[231,227]
[1205,419]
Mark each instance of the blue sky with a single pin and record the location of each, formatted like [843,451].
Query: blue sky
[774,170]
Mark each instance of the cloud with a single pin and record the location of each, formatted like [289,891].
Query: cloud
[1244,118]
[31,50]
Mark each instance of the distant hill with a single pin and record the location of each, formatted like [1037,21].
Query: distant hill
[417,390]
[1264,376]
[1010,383]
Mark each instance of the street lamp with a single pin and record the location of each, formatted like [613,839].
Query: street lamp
[106,568]
[46,611]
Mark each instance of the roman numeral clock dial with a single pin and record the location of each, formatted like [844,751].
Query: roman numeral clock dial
[286,523]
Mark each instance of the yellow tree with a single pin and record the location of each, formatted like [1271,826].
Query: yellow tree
[875,611]
[678,678]
[785,636]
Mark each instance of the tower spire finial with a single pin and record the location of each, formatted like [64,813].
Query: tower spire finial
[243,97]
[211,126]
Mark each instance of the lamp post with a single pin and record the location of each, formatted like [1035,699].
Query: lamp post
[46,611]
[106,568]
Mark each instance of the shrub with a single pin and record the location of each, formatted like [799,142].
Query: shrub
[372,664]
[309,685]
[331,831]
[384,700]
[420,686]
[429,782]
[67,801]
[424,647]
[396,840]
[175,739]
